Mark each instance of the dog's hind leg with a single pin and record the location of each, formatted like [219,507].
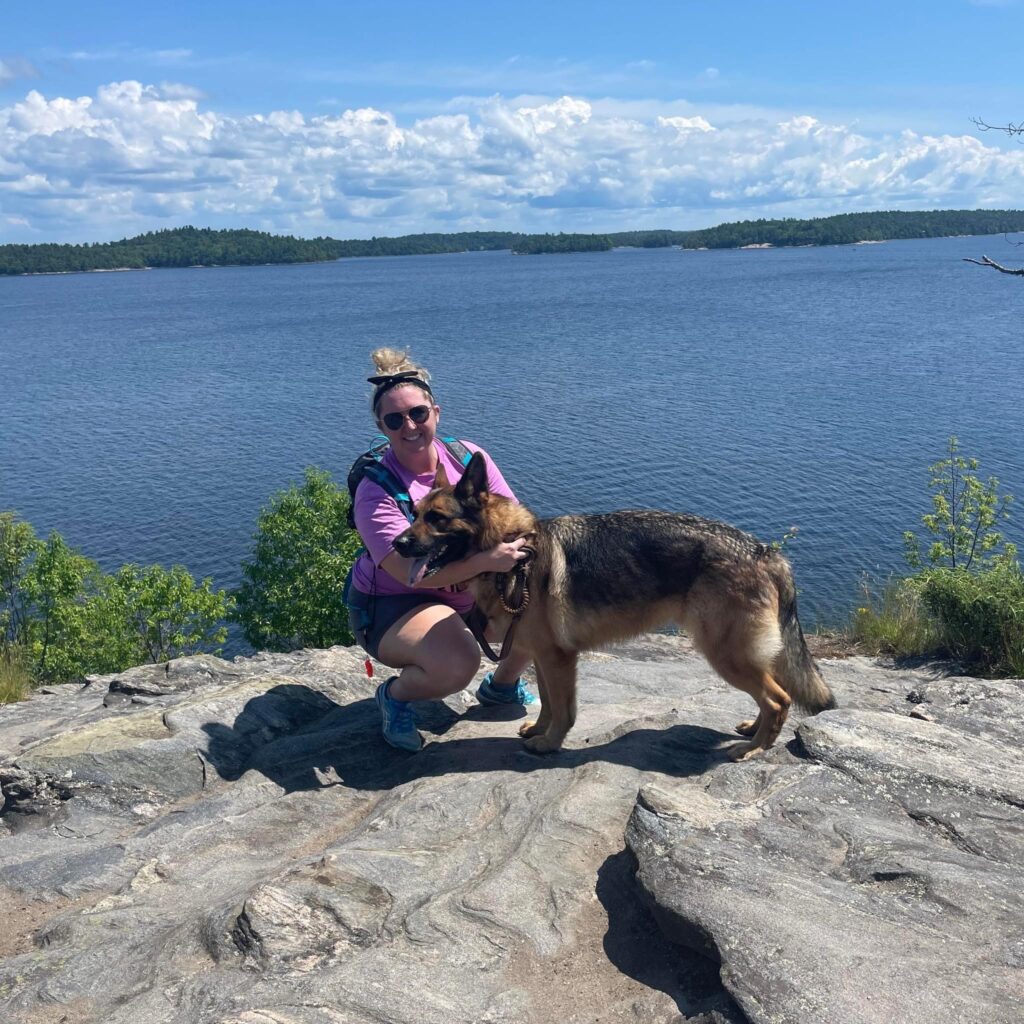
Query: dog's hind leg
[528,729]
[772,700]
[736,631]
[557,668]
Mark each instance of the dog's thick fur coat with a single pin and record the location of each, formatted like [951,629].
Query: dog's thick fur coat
[596,579]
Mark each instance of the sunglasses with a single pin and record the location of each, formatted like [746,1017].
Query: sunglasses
[394,420]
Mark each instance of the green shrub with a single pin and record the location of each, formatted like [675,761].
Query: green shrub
[967,598]
[964,515]
[291,592]
[893,621]
[18,547]
[155,614]
[46,600]
[61,617]
[15,681]
[979,616]
[62,586]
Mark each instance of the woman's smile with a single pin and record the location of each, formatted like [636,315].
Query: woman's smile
[413,439]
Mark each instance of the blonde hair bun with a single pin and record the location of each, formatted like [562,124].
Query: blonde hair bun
[391,360]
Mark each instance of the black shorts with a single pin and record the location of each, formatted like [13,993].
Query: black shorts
[371,616]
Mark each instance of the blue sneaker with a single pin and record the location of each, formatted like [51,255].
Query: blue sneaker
[397,719]
[488,693]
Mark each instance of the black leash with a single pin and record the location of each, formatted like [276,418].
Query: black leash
[514,593]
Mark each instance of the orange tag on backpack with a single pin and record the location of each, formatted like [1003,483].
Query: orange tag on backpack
[369,667]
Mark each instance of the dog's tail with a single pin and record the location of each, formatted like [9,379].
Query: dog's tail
[794,666]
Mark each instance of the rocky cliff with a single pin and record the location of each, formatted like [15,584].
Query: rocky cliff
[233,843]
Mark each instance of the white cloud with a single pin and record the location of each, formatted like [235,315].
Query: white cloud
[134,157]
[179,90]
[687,124]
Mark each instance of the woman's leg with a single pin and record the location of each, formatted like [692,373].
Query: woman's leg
[504,684]
[508,671]
[435,651]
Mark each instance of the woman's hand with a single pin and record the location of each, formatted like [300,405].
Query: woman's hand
[503,557]
[498,559]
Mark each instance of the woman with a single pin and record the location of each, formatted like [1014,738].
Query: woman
[419,628]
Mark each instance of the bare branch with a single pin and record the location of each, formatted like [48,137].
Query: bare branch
[986,262]
[1010,129]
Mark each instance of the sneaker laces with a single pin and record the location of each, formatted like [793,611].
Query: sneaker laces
[523,695]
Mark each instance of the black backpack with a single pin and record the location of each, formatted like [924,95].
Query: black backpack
[370,464]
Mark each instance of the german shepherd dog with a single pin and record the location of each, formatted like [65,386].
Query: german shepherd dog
[596,579]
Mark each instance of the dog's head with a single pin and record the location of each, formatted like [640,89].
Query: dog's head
[450,521]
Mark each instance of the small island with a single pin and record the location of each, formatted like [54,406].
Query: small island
[207,247]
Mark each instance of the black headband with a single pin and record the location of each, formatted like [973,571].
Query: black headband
[386,381]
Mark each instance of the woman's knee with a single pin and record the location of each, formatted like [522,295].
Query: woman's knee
[437,641]
[457,659]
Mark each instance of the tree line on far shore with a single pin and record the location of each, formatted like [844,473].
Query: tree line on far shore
[206,247]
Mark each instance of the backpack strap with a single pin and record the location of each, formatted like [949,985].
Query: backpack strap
[370,465]
[457,450]
[388,482]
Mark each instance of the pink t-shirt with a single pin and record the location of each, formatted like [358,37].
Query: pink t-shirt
[379,521]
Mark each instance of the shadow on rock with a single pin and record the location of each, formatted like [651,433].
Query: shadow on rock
[301,739]
[637,947]
[679,750]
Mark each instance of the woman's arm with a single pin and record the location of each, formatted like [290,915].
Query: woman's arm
[497,559]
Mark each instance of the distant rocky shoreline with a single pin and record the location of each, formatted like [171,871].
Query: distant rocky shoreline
[206,247]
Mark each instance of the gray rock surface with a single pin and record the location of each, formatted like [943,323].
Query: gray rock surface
[877,879]
[233,843]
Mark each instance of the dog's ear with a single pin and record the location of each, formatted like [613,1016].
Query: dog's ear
[473,483]
[441,477]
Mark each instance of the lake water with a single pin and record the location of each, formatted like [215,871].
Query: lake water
[148,416]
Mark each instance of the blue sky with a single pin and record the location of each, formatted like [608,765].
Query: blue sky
[354,119]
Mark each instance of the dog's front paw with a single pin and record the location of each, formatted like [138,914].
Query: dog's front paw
[543,744]
[742,751]
[530,729]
